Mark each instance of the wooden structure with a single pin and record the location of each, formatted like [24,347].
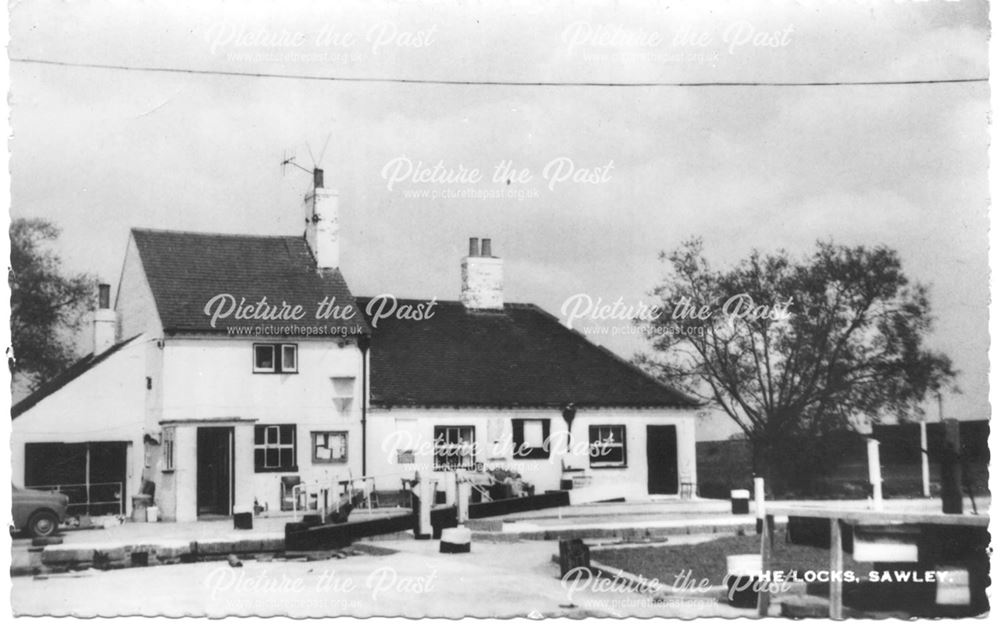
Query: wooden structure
[854,518]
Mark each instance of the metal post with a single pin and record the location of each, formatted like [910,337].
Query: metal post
[925,470]
[364,343]
[87,480]
[875,474]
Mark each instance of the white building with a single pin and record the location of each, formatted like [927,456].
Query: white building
[486,385]
[243,372]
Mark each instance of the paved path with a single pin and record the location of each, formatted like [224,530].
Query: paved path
[268,532]
[494,580]
[131,532]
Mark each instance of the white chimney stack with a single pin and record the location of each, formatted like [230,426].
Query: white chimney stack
[105,321]
[482,278]
[323,223]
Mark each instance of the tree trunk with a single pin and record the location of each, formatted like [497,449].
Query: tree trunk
[769,463]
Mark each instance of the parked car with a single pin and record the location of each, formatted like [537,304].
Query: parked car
[38,513]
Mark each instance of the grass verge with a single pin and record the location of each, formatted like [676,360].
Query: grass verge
[708,560]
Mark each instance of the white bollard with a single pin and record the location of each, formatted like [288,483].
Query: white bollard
[744,576]
[875,473]
[456,540]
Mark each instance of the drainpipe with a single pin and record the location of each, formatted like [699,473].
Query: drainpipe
[364,343]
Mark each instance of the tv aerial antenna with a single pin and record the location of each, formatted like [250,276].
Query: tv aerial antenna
[315,171]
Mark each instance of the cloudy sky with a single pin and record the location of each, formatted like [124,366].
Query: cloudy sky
[101,150]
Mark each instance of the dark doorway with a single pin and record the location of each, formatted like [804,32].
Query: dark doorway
[215,470]
[92,475]
[661,458]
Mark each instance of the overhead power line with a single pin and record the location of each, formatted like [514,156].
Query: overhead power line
[461,82]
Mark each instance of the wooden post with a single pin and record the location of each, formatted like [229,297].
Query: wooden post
[836,571]
[925,470]
[758,502]
[764,596]
[463,492]
[573,553]
[951,469]
[425,495]
[875,474]
[450,485]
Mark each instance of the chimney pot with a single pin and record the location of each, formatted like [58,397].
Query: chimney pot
[105,321]
[482,278]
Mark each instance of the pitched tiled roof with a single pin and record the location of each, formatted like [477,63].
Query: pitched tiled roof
[520,357]
[56,383]
[186,270]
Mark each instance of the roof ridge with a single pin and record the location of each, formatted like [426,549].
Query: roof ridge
[453,301]
[214,234]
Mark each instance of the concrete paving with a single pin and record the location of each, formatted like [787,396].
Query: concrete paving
[494,580]
[633,520]
[163,542]
[508,578]
[131,532]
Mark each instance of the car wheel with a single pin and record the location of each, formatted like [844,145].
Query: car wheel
[43,524]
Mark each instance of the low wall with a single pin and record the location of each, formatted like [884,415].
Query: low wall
[519,504]
[301,536]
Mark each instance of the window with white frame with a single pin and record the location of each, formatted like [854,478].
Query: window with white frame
[275,358]
[329,447]
[274,448]
[607,446]
[454,447]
